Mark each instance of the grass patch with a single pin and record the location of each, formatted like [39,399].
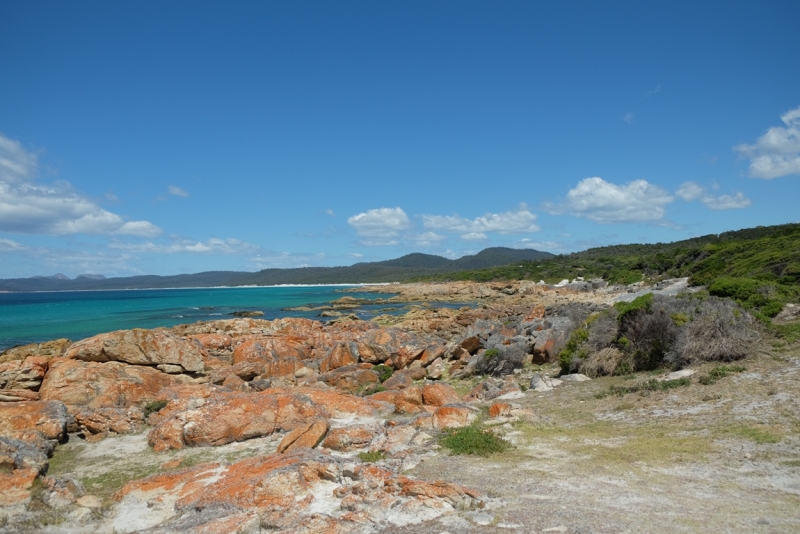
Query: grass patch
[604,444]
[720,371]
[371,456]
[107,484]
[641,387]
[753,433]
[473,440]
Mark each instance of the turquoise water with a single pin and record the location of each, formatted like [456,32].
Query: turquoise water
[35,317]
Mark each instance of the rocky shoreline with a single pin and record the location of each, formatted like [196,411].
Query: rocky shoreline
[290,425]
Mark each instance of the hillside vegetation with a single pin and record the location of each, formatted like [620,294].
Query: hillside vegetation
[395,270]
[757,267]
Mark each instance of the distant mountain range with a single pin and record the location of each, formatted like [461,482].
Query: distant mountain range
[408,266]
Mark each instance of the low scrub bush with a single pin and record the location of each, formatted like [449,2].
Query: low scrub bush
[473,440]
[606,361]
[573,354]
[384,372]
[721,331]
[650,385]
[720,371]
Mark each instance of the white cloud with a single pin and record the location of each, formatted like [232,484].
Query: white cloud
[428,239]
[604,202]
[629,117]
[210,246]
[7,245]
[17,165]
[177,191]
[777,152]
[689,191]
[380,226]
[539,245]
[474,236]
[330,212]
[56,209]
[510,222]
[286,260]
[727,202]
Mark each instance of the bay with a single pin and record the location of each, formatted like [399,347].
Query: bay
[41,316]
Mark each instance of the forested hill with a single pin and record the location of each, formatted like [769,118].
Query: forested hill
[400,269]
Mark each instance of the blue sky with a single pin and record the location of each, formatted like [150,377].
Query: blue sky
[170,137]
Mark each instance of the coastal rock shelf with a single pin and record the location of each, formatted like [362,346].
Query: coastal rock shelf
[290,425]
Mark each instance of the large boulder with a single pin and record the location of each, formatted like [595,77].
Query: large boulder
[229,417]
[23,374]
[47,349]
[92,385]
[341,354]
[141,347]
[27,419]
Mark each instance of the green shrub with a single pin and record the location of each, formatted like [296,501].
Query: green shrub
[720,371]
[472,440]
[572,351]
[739,289]
[371,456]
[642,303]
[490,353]
[384,372]
[153,407]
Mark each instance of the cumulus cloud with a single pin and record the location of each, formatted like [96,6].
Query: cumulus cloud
[210,246]
[690,191]
[177,191]
[29,208]
[777,152]
[511,222]
[474,236]
[727,202]
[604,202]
[380,226]
[428,239]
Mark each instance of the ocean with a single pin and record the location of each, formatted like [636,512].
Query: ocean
[41,316]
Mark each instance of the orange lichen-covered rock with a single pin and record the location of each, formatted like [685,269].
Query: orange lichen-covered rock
[350,378]
[408,400]
[244,370]
[47,418]
[109,419]
[47,349]
[141,347]
[217,342]
[349,438]
[340,355]
[304,437]
[97,385]
[537,312]
[300,491]
[439,394]
[453,416]
[15,486]
[16,395]
[499,409]
[268,348]
[23,374]
[339,405]
[228,417]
